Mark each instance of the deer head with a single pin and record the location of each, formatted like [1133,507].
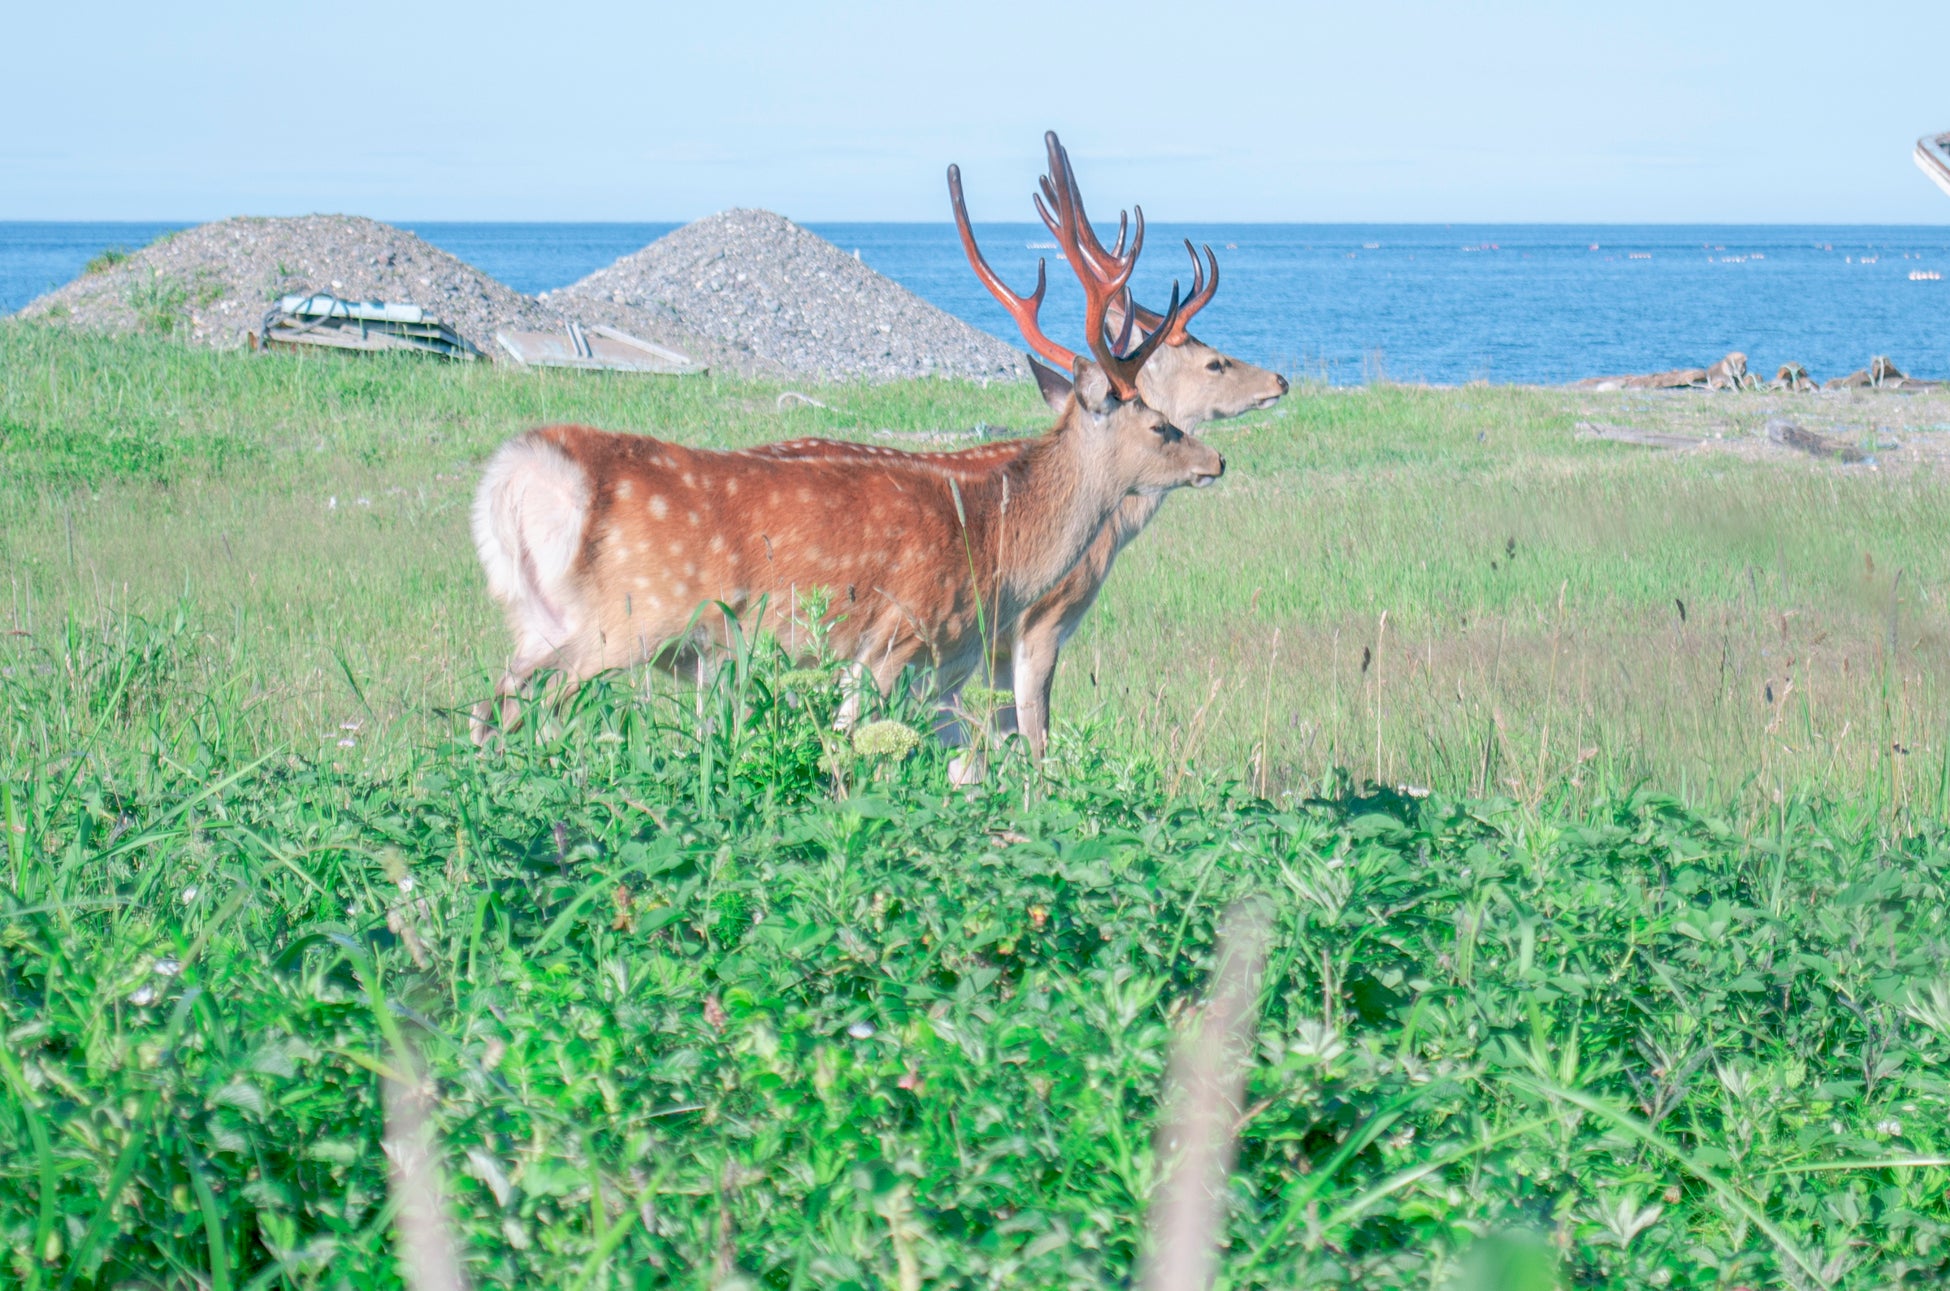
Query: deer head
[1148,447]
[1187,380]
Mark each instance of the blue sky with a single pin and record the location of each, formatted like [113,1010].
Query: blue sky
[1203,111]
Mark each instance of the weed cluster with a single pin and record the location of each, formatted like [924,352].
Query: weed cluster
[158,302]
[104,260]
[703,993]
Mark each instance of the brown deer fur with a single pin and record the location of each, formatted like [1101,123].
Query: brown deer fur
[1178,381]
[1187,380]
[602,547]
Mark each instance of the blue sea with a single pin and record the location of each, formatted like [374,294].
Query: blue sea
[1347,302]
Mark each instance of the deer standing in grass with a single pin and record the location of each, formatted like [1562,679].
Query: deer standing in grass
[1186,380]
[609,550]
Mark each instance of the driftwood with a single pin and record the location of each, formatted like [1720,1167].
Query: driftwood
[1730,373]
[1881,374]
[1677,379]
[1794,377]
[1630,435]
[1788,435]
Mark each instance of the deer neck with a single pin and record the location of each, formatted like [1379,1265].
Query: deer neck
[1041,511]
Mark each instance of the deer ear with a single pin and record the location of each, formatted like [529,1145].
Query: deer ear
[1054,385]
[1092,388]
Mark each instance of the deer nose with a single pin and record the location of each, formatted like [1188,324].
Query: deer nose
[1282,380]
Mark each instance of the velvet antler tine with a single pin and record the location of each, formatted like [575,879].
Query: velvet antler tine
[1102,261]
[1023,309]
[1150,344]
[1122,371]
[1204,286]
[1129,310]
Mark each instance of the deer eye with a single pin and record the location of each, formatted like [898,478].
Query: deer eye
[1168,432]
[1215,365]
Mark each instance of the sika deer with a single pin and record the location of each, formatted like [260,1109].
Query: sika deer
[1187,380]
[609,550]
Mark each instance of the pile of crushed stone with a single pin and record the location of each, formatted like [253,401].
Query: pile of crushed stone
[772,297]
[213,283]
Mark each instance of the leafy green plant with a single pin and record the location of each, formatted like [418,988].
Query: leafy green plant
[158,302]
[104,260]
[686,1003]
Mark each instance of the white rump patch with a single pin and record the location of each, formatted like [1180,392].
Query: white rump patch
[529,517]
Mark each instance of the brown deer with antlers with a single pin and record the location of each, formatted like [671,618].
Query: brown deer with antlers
[609,550]
[1187,380]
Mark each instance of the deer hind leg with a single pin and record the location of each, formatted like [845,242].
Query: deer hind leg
[951,726]
[855,678]
[506,702]
[997,723]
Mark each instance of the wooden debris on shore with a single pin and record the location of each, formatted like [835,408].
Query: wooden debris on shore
[324,321]
[1730,373]
[595,348]
[1632,435]
[1788,435]
[1881,374]
[1793,377]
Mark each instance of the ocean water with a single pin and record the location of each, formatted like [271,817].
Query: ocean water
[1438,303]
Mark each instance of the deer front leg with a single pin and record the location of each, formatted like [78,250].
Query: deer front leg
[1035,672]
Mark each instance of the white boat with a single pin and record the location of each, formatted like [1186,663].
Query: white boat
[1933,158]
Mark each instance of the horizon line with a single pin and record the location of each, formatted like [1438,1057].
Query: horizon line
[1419,224]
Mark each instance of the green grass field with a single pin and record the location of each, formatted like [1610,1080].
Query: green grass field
[1650,987]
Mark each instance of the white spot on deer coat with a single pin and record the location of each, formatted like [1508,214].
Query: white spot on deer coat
[658,507]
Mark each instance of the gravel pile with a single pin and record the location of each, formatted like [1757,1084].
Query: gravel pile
[214,282]
[771,297]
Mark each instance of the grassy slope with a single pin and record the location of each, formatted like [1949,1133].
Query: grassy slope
[692,1014]
[312,518]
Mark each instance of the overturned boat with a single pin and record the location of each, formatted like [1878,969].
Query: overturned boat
[323,321]
[1933,158]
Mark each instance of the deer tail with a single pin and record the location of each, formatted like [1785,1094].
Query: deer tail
[528,521]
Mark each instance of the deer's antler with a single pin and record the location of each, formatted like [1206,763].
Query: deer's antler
[1203,289]
[1104,275]
[1023,309]
[1104,262]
